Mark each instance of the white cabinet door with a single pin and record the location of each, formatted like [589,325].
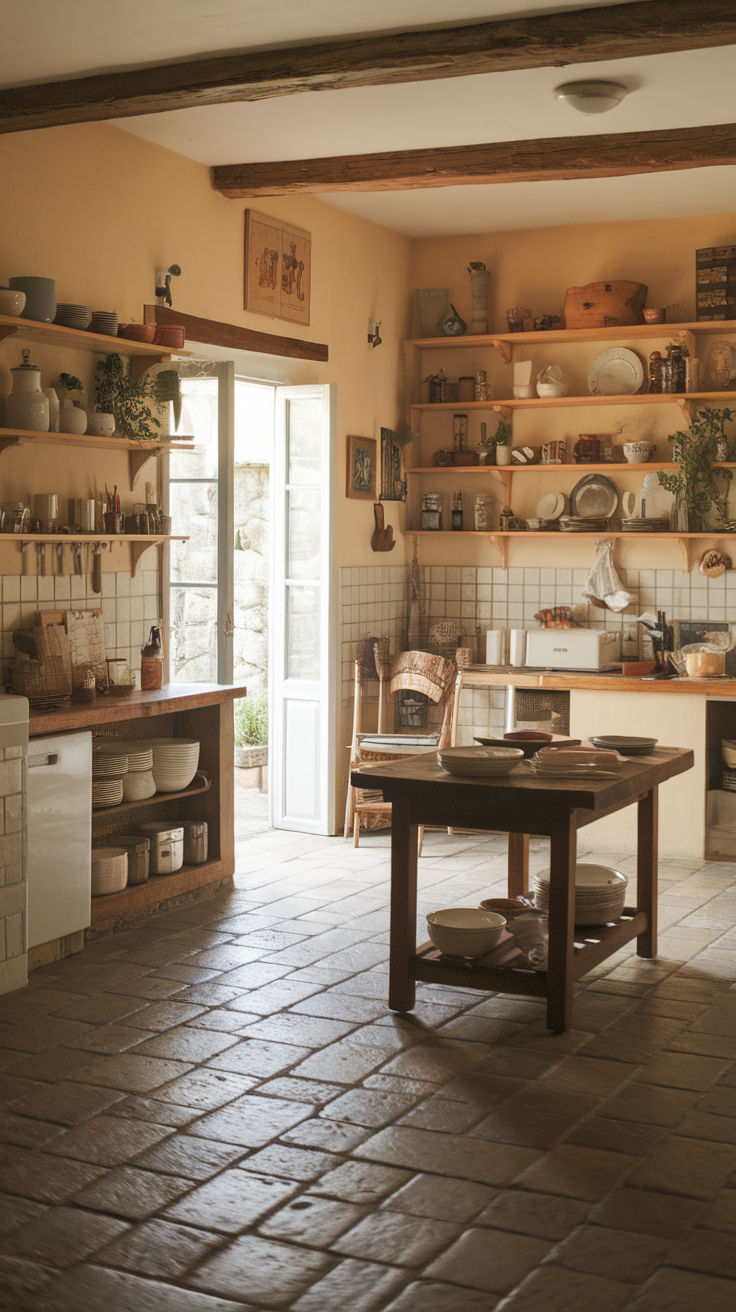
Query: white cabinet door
[59,844]
[303,683]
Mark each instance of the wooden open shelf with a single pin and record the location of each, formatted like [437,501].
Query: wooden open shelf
[500,538]
[502,471]
[78,339]
[151,801]
[567,402]
[575,336]
[138,452]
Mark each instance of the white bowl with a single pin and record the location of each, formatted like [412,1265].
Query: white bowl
[11,301]
[552,389]
[638,452]
[600,893]
[465,931]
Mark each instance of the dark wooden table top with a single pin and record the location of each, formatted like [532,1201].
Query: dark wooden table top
[420,777]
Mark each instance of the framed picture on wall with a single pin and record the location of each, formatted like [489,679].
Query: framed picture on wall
[278,268]
[393,483]
[362,460]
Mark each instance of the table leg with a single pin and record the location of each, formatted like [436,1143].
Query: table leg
[518,865]
[401,989]
[647,870]
[563,854]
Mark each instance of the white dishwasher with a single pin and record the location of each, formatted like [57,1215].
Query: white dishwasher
[59,843]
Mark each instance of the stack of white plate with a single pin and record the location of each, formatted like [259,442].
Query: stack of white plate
[109,762]
[175,762]
[600,893]
[106,792]
[479,762]
[109,870]
[575,763]
[70,315]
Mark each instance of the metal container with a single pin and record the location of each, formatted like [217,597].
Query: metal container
[85,514]
[138,849]
[167,847]
[195,842]
[46,510]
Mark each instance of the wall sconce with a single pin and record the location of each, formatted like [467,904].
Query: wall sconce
[163,283]
[374,337]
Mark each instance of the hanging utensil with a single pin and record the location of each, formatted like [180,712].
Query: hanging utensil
[24,558]
[77,555]
[96,567]
[41,558]
[59,557]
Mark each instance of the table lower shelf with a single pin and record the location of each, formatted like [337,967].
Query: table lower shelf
[593,943]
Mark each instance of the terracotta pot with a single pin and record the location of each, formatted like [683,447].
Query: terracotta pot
[137,332]
[170,334]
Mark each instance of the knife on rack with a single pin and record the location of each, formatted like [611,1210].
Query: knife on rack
[96,567]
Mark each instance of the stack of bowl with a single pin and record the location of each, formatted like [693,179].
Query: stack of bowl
[600,893]
[105,322]
[70,315]
[109,870]
[175,762]
[138,781]
[109,766]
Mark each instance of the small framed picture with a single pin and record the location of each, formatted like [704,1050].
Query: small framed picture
[393,483]
[362,460]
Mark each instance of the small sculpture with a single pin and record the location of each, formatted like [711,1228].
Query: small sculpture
[547,322]
[479,282]
[163,284]
[453,325]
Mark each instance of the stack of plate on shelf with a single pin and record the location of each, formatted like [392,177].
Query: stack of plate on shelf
[175,762]
[600,893]
[70,315]
[106,792]
[551,507]
[109,765]
[105,322]
[635,524]
[138,783]
[624,745]
[583,524]
[575,763]
[479,762]
[109,870]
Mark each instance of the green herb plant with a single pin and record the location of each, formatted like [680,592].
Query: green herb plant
[117,393]
[251,720]
[502,435]
[694,485]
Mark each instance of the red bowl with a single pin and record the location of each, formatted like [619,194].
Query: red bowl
[170,334]
[137,332]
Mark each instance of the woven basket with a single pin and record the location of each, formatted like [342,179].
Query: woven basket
[422,671]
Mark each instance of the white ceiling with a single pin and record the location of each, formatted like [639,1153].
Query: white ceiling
[678,90]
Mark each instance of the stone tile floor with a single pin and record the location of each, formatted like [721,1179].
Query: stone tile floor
[217,1112]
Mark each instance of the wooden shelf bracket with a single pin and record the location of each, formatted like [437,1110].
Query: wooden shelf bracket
[505,349]
[136,461]
[502,547]
[136,551]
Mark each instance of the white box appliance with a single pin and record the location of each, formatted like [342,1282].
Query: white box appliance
[59,844]
[572,649]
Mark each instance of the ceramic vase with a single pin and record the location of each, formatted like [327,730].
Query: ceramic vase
[479,283]
[27,407]
[40,297]
[72,419]
[503,455]
[100,424]
[54,409]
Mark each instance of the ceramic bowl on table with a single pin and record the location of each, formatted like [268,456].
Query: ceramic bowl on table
[479,762]
[12,301]
[465,931]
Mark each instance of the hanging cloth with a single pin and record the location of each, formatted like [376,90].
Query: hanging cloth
[603,583]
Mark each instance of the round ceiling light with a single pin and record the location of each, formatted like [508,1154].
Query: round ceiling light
[590,97]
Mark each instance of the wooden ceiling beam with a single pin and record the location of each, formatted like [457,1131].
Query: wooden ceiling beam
[646,27]
[547,159]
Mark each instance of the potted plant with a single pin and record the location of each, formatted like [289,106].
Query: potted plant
[118,393]
[694,485]
[502,441]
[251,731]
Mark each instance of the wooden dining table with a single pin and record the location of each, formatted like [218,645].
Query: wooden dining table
[520,804]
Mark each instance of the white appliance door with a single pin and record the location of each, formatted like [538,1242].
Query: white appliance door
[59,845]
[303,682]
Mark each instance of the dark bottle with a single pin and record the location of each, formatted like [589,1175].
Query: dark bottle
[152,662]
[457,510]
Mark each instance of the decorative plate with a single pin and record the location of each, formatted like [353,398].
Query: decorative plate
[551,506]
[616,372]
[594,497]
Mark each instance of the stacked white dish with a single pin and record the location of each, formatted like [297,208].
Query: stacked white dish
[105,322]
[600,893]
[109,766]
[109,870]
[575,763]
[175,762]
[70,315]
[479,762]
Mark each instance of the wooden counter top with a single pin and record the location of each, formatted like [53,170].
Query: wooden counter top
[140,705]
[500,676]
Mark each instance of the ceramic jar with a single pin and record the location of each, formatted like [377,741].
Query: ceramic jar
[27,407]
[100,424]
[72,419]
[40,298]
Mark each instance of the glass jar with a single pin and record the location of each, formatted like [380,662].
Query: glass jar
[482,514]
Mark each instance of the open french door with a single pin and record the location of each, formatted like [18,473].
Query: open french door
[303,683]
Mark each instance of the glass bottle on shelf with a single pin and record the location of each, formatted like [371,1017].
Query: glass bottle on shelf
[457,511]
[432,511]
[152,662]
[655,372]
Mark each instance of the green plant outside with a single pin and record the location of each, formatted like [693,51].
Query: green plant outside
[694,484]
[251,720]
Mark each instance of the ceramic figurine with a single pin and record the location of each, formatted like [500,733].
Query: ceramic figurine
[453,325]
[515,318]
[655,372]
